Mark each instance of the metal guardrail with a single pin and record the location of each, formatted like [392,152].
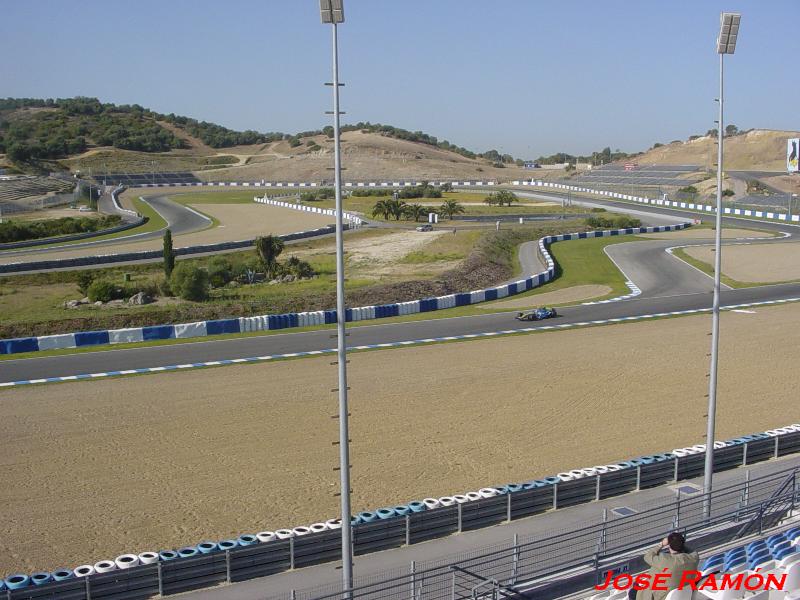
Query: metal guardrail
[587,550]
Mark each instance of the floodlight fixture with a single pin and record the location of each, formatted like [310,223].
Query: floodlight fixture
[728,32]
[331,11]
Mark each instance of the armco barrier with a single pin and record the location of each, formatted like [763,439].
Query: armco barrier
[510,502]
[313,184]
[305,319]
[104,259]
[706,208]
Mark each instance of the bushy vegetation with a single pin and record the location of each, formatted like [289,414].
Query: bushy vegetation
[320,194]
[370,192]
[101,290]
[190,282]
[19,231]
[613,222]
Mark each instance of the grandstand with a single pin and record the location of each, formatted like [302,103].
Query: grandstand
[140,179]
[21,194]
[633,174]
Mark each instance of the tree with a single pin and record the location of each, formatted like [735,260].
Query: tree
[446,187]
[382,208]
[501,198]
[269,248]
[328,131]
[396,208]
[450,208]
[711,133]
[414,211]
[731,130]
[169,254]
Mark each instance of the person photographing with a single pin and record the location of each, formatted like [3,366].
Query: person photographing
[671,557]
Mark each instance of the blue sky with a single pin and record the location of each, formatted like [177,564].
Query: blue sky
[527,77]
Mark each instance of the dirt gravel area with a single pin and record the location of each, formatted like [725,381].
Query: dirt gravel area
[236,222]
[97,468]
[575,293]
[755,263]
[707,234]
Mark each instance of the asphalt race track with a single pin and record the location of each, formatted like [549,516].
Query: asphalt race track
[667,285]
[179,218]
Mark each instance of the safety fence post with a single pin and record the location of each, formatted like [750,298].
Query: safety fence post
[228,566]
[744,455]
[638,477]
[160,580]
[408,530]
[516,559]
[88,590]
[508,507]
[291,552]
[458,506]
[413,573]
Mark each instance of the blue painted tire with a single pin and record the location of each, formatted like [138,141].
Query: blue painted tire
[227,544]
[17,581]
[647,460]
[514,487]
[367,517]
[247,540]
[385,513]
[626,464]
[206,547]
[502,490]
[402,510]
[167,555]
[416,506]
[41,577]
[552,480]
[188,552]
[62,574]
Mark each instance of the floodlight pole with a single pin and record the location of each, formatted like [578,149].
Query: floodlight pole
[712,385]
[344,441]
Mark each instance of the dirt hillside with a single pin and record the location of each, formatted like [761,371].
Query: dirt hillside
[757,150]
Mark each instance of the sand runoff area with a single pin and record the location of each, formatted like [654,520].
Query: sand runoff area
[707,234]
[576,293]
[236,222]
[94,469]
[755,263]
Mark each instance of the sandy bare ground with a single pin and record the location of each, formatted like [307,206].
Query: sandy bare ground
[575,293]
[707,234]
[92,469]
[51,213]
[389,248]
[237,222]
[755,263]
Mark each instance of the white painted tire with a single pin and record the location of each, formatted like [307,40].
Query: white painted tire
[318,527]
[680,452]
[589,472]
[298,531]
[565,476]
[614,468]
[718,445]
[83,571]
[447,501]
[600,469]
[577,473]
[334,523]
[488,492]
[266,536]
[460,498]
[105,566]
[431,503]
[148,558]
[284,534]
[472,496]
[126,561]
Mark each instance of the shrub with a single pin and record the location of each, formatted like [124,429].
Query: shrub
[104,291]
[189,282]
[220,271]
[298,268]
[85,279]
[613,222]
[597,209]
[727,193]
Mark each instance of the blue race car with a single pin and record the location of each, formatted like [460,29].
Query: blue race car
[537,314]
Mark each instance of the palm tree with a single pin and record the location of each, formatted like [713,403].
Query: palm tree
[450,208]
[414,211]
[382,208]
[396,208]
[268,249]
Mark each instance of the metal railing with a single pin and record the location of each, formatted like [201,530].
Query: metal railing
[588,549]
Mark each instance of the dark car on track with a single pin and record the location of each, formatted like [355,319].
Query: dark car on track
[537,314]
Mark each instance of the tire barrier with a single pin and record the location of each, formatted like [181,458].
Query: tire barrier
[312,209]
[266,553]
[705,208]
[314,184]
[315,318]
